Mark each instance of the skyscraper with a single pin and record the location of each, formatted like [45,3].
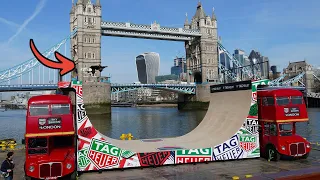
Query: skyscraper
[180,67]
[225,60]
[239,55]
[262,63]
[148,67]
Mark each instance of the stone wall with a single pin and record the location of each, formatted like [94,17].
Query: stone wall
[203,93]
[97,97]
[200,101]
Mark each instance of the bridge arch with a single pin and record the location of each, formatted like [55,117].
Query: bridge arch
[197,75]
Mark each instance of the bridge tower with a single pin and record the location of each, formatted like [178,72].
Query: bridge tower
[309,79]
[202,53]
[86,52]
[86,44]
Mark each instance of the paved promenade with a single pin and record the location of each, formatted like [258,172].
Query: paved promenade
[213,170]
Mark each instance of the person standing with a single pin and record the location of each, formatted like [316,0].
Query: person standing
[7,167]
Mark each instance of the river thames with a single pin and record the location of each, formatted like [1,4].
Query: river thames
[145,122]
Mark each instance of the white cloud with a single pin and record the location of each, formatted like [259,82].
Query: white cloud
[27,21]
[8,22]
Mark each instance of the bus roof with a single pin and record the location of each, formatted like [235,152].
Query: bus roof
[279,92]
[281,87]
[49,99]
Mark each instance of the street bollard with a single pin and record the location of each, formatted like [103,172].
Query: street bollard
[3,147]
[235,178]
[248,176]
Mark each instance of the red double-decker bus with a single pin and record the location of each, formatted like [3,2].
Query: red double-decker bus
[50,138]
[279,109]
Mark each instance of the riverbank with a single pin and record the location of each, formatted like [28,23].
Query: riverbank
[214,170]
[158,105]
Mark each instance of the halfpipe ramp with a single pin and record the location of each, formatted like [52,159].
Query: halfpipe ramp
[225,133]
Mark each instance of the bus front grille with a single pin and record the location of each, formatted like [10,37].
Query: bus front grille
[44,170]
[301,148]
[297,149]
[56,170]
[50,170]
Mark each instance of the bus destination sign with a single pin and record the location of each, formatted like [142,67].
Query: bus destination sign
[50,123]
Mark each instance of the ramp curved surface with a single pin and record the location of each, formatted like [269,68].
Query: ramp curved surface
[226,113]
[225,133]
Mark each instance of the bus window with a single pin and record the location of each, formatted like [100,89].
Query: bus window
[268,101]
[38,110]
[296,100]
[273,129]
[258,101]
[266,128]
[57,109]
[37,145]
[282,101]
[285,129]
[62,141]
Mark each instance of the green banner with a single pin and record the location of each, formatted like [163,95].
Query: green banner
[244,138]
[76,82]
[127,154]
[194,152]
[104,147]
[260,82]
[83,160]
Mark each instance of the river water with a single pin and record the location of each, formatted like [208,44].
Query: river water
[145,122]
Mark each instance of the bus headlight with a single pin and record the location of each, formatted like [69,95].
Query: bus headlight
[283,148]
[31,168]
[308,145]
[69,166]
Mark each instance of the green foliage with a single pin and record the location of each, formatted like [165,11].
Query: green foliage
[253,110]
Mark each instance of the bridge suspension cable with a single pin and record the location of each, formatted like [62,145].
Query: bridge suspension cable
[293,80]
[246,70]
[316,77]
[276,82]
[28,66]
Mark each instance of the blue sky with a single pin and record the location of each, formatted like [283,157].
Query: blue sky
[286,30]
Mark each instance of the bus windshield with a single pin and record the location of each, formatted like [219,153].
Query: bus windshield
[59,109]
[282,101]
[39,109]
[296,100]
[62,141]
[43,109]
[285,129]
[37,146]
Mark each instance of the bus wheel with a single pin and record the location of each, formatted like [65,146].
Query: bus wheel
[28,178]
[305,156]
[272,154]
[25,175]
[74,176]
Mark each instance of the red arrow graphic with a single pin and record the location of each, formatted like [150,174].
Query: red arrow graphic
[65,64]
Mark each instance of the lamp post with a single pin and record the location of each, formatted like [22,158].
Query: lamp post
[254,60]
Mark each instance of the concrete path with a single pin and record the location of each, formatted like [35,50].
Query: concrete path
[214,170]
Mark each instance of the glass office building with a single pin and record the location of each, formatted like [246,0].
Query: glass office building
[148,67]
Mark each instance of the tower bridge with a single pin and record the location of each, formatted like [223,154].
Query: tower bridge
[153,31]
[202,48]
[115,88]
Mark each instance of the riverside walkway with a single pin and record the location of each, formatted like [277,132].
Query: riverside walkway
[257,168]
